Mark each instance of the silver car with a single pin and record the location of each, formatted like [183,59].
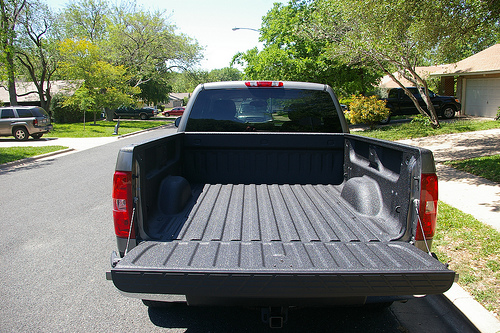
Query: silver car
[24,121]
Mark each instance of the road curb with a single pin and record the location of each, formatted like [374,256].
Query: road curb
[481,318]
[34,158]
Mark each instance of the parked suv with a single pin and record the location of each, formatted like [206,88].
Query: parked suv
[400,104]
[24,121]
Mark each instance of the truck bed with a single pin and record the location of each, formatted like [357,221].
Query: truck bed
[240,236]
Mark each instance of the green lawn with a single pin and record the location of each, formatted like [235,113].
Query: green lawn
[17,153]
[102,128]
[487,166]
[472,249]
[418,130]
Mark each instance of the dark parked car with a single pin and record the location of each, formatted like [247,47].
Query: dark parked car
[400,104]
[21,122]
[177,111]
[130,112]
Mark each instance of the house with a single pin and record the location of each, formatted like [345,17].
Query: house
[478,82]
[176,99]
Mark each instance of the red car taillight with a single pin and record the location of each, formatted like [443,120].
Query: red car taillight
[428,207]
[122,204]
[35,122]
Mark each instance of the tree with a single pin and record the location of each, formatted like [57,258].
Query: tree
[10,13]
[224,74]
[290,52]
[401,35]
[103,86]
[36,49]
[85,19]
[148,46]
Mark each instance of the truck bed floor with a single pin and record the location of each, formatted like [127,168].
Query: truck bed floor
[285,213]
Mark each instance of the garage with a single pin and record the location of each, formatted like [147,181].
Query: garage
[482,97]
[477,81]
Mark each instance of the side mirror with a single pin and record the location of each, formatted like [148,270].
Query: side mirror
[177,121]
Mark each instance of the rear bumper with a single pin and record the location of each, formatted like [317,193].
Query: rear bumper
[167,268]
[41,129]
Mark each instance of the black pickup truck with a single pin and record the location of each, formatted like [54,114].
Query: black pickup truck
[264,199]
[400,104]
[129,112]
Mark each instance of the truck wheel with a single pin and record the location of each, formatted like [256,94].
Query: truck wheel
[448,112]
[144,116]
[21,134]
[385,121]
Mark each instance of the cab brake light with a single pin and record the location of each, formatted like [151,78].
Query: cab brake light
[264,84]
[428,207]
[122,204]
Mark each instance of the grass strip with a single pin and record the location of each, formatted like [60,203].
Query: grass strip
[17,153]
[472,249]
[102,128]
[418,129]
[486,166]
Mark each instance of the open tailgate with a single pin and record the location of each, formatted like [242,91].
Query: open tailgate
[281,270]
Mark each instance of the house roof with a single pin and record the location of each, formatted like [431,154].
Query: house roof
[65,87]
[425,71]
[178,96]
[484,62]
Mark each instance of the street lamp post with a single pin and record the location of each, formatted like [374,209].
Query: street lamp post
[234,29]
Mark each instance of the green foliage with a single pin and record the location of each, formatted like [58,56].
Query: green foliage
[104,86]
[421,120]
[498,114]
[291,53]
[224,74]
[65,114]
[367,110]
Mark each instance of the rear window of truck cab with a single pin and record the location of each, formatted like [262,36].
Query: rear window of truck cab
[265,110]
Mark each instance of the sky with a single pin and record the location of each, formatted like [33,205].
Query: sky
[210,22]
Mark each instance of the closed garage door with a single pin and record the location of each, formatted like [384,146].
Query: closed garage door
[482,97]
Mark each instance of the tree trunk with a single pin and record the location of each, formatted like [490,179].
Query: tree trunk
[11,77]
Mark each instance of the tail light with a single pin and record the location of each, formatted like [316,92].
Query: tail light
[35,122]
[122,204]
[428,207]
[264,84]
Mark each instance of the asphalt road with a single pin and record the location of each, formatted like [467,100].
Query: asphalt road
[56,236]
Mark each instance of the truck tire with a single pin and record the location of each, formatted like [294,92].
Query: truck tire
[20,134]
[448,112]
[385,121]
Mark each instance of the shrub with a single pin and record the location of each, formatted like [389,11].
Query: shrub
[498,114]
[66,114]
[367,110]
[421,119]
